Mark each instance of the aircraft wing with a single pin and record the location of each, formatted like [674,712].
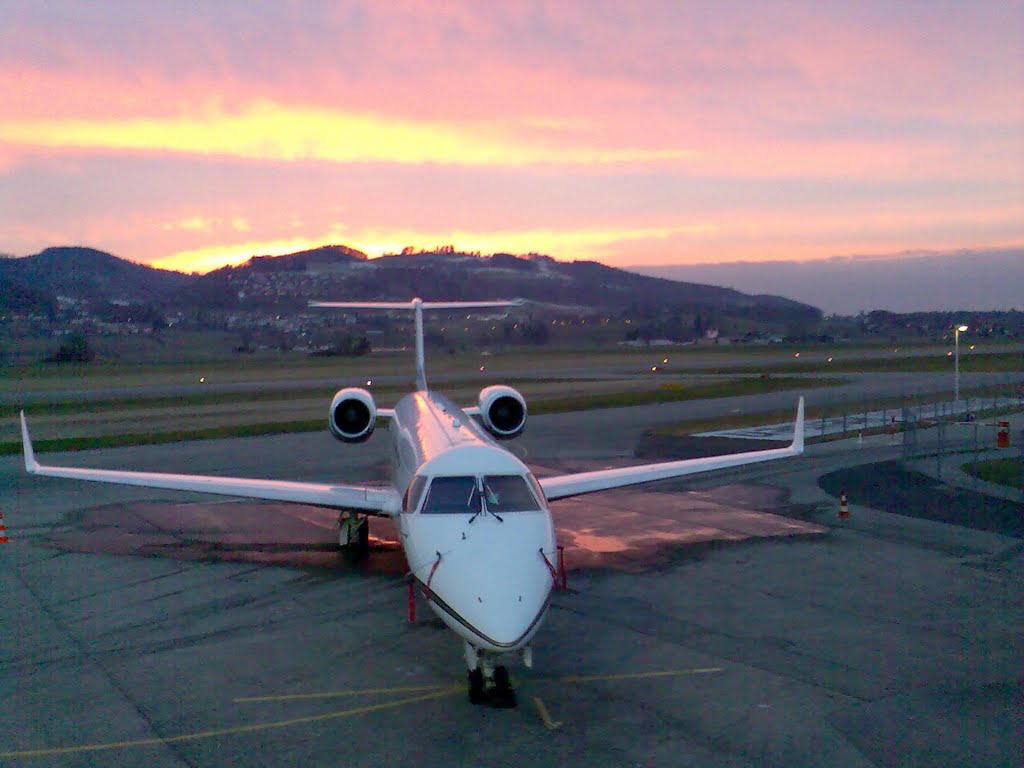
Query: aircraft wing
[375,501]
[563,486]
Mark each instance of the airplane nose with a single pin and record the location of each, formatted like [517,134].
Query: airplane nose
[499,584]
[505,612]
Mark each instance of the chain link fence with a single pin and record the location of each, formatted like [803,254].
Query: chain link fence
[972,429]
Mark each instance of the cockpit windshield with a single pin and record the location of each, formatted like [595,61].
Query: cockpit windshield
[452,495]
[509,493]
[461,495]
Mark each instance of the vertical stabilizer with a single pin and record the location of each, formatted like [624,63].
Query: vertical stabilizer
[421,366]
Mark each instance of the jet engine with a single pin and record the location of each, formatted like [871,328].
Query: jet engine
[353,415]
[502,411]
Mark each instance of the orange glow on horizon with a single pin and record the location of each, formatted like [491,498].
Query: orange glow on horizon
[269,131]
[565,245]
[610,248]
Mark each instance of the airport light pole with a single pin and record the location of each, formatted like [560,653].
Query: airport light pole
[956,362]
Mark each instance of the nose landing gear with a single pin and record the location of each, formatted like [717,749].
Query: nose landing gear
[502,694]
[487,683]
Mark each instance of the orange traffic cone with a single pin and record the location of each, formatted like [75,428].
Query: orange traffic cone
[844,508]
[3,530]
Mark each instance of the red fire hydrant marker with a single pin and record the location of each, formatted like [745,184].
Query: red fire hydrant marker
[1003,435]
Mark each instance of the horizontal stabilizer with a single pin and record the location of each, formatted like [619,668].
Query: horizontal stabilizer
[413,304]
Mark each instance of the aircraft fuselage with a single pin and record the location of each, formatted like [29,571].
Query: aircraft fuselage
[474,524]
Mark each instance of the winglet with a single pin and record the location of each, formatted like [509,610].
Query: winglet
[31,465]
[798,429]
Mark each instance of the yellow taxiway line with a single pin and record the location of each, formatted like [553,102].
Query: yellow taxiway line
[636,675]
[435,694]
[432,692]
[339,694]
[545,716]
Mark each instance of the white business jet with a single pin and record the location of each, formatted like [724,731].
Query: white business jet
[473,520]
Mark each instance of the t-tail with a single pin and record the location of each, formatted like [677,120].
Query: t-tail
[417,306]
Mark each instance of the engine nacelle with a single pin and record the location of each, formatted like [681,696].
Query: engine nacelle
[502,411]
[353,415]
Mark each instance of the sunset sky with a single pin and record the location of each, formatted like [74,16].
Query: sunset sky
[192,134]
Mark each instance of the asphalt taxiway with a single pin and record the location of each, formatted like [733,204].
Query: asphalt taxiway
[725,621]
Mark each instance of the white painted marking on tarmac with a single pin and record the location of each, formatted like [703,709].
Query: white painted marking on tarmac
[854,421]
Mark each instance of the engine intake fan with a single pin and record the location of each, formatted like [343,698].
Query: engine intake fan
[502,411]
[353,415]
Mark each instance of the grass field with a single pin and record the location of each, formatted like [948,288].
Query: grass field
[116,403]
[1002,471]
[992,362]
[523,363]
[114,423]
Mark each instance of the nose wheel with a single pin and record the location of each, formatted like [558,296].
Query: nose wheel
[475,679]
[488,684]
[497,692]
[502,694]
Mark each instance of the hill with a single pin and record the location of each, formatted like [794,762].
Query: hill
[85,275]
[288,282]
[284,285]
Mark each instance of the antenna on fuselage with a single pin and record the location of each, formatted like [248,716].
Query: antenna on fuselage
[417,305]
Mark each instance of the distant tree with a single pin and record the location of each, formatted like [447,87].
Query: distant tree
[345,345]
[138,313]
[536,332]
[244,345]
[75,349]
[281,341]
[360,346]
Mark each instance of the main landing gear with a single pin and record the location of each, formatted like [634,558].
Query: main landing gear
[353,533]
[488,684]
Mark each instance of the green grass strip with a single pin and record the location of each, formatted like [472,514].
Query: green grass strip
[665,394]
[997,362]
[673,393]
[176,436]
[323,391]
[1002,471]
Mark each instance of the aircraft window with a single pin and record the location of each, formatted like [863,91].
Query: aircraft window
[452,495]
[509,493]
[414,494]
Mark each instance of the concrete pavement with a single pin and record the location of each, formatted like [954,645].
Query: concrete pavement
[887,640]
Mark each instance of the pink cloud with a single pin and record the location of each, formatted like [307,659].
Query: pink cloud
[906,100]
